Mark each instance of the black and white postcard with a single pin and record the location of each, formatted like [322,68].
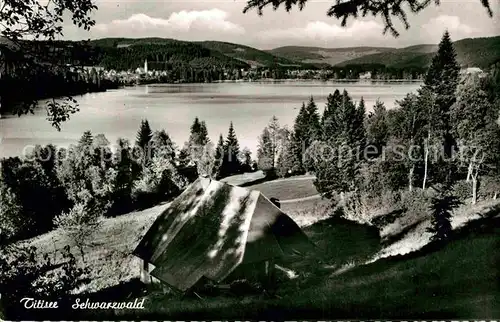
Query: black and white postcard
[249,160]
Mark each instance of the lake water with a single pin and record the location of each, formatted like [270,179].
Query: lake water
[117,113]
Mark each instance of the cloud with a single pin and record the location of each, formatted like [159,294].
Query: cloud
[436,26]
[190,24]
[332,34]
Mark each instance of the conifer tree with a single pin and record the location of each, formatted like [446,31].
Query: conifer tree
[313,122]
[441,208]
[203,134]
[377,127]
[441,80]
[230,162]
[359,125]
[219,155]
[300,137]
[144,136]
[330,115]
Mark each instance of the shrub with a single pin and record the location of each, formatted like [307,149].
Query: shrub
[489,187]
[463,190]
[81,222]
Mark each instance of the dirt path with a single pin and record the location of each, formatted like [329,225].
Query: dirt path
[318,196]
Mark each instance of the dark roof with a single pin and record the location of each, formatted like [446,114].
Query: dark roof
[213,227]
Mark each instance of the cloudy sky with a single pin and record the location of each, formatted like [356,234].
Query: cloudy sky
[223,20]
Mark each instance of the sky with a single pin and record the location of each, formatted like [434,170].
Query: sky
[224,20]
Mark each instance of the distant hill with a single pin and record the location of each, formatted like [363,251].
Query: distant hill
[249,55]
[471,52]
[129,53]
[325,56]
[124,54]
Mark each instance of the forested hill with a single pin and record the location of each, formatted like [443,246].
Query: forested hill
[252,56]
[325,56]
[471,52]
[124,53]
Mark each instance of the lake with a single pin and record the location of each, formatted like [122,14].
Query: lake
[173,107]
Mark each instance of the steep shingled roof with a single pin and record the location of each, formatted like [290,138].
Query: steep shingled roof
[213,227]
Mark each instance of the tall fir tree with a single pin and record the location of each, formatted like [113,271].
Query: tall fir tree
[144,136]
[230,162]
[313,122]
[442,79]
[195,127]
[219,155]
[203,134]
[330,116]
[360,129]
[377,127]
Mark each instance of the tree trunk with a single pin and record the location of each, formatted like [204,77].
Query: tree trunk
[82,253]
[469,172]
[426,162]
[410,177]
[474,189]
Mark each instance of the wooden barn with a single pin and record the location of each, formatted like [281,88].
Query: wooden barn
[217,232]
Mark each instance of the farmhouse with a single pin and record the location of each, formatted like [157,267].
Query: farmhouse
[218,232]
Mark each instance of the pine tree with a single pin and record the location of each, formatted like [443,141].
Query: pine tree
[377,127]
[219,155]
[330,114]
[144,136]
[313,122]
[230,162]
[359,124]
[339,171]
[85,152]
[195,127]
[203,138]
[442,80]
[86,140]
[299,138]
[441,208]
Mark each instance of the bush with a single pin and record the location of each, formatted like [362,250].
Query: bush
[489,187]
[463,190]
[81,222]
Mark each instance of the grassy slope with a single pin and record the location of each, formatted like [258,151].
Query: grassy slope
[476,52]
[427,284]
[287,189]
[332,283]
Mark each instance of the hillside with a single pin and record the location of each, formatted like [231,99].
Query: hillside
[127,53]
[325,56]
[249,55]
[124,54]
[471,52]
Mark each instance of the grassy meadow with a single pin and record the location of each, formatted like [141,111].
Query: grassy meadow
[352,272]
